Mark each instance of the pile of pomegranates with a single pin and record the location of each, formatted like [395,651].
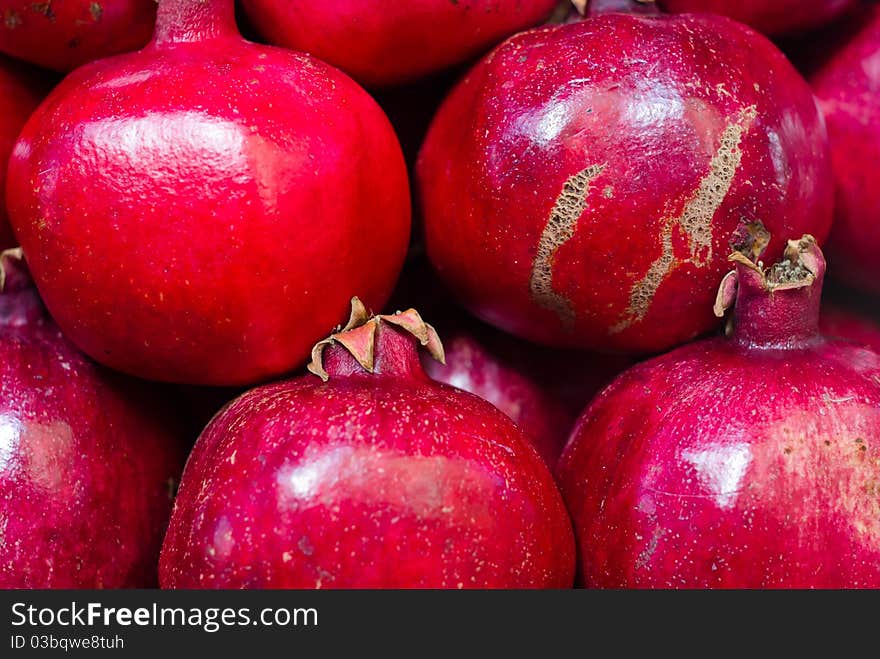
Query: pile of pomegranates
[215,365]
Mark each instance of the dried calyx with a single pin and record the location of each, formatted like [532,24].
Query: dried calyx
[800,266]
[359,337]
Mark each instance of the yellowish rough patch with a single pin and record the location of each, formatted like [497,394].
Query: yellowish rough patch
[569,206]
[695,221]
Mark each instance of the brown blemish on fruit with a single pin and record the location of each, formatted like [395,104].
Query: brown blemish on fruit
[44,9]
[11,19]
[96,10]
[695,221]
[566,212]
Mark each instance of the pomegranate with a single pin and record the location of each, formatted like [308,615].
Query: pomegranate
[849,325]
[542,390]
[200,211]
[583,184]
[773,17]
[87,466]
[381,42]
[371,476]
[64,35]
[848,89]
[20,92]
[746,461]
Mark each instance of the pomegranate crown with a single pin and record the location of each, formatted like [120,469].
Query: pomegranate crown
[358,337]
[802,264]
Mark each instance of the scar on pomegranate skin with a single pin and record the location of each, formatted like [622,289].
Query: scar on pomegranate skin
[11,19]
[569,206]
[695,221]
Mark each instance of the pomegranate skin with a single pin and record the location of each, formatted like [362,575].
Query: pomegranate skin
[383,480]
[20,92]
[742,462]
[772,17]
[202,210]
[87,465]
[541,389]
[848,89]
[381,42]
[65,34]
[595,133]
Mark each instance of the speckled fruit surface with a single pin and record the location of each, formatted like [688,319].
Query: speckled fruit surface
[382,480]
[380,42]
[88,459]
[64,34]
[584,183]
[202,211]
[750,461]
[848,88]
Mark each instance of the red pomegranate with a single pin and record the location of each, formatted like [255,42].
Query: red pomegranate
[850,325]
[371,476]
[773,17]
[584,183]
[20,93]
[848,89]
[543,390]
[87,465]
[381,42]
[746,461]
[65,34]
[202,210]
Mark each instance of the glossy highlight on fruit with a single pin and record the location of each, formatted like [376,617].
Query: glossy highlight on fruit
[202,210]
[746,461]
[20,92]
[64,34]
[584,183]
[88,459]
[369,476]
[381,42]
[847,86]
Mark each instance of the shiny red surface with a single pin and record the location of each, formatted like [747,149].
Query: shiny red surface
[203,210]
[584,184]
[19,95]
[88,462]
[384,480]
[379,42]
[65,34]
[848,89]
[773,17]
[750,461]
